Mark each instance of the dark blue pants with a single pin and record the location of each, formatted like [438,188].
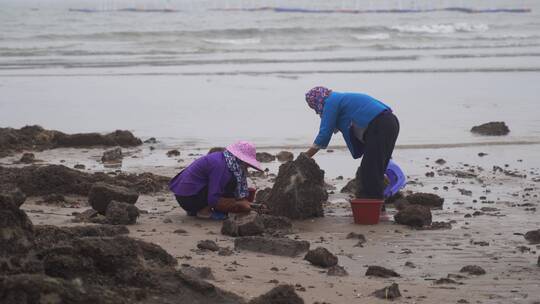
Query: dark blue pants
[380,139]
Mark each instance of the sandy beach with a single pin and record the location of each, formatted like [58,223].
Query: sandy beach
[504,207]
[85,212]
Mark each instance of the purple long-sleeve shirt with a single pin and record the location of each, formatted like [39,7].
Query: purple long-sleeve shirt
[208,170]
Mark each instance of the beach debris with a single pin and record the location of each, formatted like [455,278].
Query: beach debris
[440,161]
[457,173]
[225,251]
[410,264]
[494,128]
[255,224]
[425,199]
[388,293]
[151,140]
[533,236]
[357,236]
[482,154]
[180,231]
[27,158]
[112,156]
[298,192]
[216,149]
[280,246]
[473,270]
[443,281]
[119,213]
[438,226]
[414,216]
[285,156]
[203,273]
[337,271]
[173,153]
[208,245]
[465,192]
[381,272]
[53,198]
[321,257]
[101,195]
[265,157]
[281,294]
[79,167]
[89,216]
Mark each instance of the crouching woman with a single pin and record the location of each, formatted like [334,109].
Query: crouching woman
[216,184]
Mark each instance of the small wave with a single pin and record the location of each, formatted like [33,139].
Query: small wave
[377,36]
[441,28]
[244,41]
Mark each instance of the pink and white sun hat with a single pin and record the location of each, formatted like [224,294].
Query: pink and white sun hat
[245,151]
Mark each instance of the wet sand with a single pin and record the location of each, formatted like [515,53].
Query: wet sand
[512,274]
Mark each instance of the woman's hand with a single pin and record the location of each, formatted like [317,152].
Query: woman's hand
[232,205]
[311,152]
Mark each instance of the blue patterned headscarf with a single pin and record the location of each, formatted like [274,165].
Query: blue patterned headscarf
[316,97]
[241,179]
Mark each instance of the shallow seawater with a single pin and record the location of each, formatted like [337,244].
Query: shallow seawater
[212,72]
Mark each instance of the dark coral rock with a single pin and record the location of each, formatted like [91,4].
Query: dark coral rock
[282,294]
[299,190]
[101,195]
[321,257]
[388,293]
[119,213]
[494,128]
[414,216]
[381,272]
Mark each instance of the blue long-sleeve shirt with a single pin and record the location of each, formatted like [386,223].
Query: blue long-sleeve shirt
[208,170]
[341,111]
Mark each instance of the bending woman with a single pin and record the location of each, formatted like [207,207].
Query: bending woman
[369,128]
[216,184]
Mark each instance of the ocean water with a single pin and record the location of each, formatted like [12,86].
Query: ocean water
[204,73]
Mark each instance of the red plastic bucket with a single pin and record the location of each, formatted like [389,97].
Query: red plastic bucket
[366,211]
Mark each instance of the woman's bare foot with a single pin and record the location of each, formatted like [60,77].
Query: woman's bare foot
[204,213]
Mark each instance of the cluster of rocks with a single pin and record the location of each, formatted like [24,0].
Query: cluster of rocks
[99,264]
[57,179]
[415,209]
[38,138]
[94,264]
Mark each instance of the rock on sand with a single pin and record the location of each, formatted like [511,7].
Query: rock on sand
[282,294]
[271,245]
[299,190]
[494,128]
[533,236]
[321,257]
[101,195]
[414,216]
[119,213]
[388,293]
